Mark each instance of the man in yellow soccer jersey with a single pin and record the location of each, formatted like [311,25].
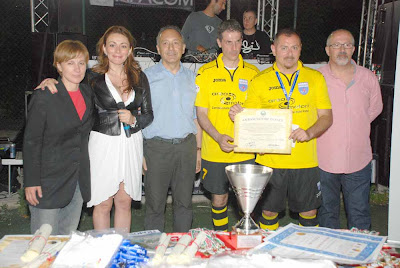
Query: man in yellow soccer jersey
[288,84]
[221,84]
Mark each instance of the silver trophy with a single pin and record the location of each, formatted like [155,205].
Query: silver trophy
[248,183]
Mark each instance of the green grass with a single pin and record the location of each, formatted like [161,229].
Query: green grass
[379,197]
[13,222]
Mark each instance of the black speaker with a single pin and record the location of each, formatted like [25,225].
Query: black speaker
[43,46]
[70,19]
[71,36]
[381,135]
[385,47]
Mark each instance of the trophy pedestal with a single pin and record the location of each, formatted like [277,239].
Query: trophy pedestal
[240,241]
[235,241]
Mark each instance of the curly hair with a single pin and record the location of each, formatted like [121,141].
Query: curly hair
[132,68]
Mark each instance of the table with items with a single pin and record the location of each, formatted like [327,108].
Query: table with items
[290,246]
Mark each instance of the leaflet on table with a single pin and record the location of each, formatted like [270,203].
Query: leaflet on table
[148,239]
[295,241]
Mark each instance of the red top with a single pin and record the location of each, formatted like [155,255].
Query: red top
[79,102]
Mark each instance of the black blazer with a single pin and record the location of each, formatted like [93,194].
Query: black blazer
[106,119]
[56,146]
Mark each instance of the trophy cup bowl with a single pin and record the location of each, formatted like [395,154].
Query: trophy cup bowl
[248,183]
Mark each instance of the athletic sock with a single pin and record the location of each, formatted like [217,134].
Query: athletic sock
[269,223]
[220,218]
[308,220]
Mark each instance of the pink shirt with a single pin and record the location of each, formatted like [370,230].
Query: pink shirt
[345,147]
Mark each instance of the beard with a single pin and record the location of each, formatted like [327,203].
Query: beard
[342,59]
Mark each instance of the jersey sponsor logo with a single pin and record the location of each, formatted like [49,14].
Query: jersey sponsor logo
[276,87]
[297,108]
[303,88]
[219,80]
[276,100]
[284,103]
[227,98]
[209,28]
[243,83]
[223,94]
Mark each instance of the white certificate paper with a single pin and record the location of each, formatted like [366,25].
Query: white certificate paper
[263,131]
[343,247]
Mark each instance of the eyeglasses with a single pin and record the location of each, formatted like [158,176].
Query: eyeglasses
[338,45]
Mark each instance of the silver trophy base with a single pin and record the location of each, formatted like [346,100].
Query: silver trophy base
[246,226]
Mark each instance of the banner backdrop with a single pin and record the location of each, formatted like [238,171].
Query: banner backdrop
[105,3]
[177,4]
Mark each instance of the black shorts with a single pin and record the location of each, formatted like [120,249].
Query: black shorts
[213,176]
[301,186]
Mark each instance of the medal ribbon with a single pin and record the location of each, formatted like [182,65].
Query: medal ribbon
[283,86]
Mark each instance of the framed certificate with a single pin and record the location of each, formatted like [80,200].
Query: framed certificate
[263,131]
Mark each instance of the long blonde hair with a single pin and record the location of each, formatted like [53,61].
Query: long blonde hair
[132,68]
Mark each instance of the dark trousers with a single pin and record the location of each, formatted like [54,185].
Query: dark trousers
[355,187]
[169,165]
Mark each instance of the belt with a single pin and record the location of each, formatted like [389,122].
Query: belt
[172,141]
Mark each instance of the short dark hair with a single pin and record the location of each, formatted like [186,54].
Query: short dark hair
[286,32]
[252,11]
[168,27]
[229,25]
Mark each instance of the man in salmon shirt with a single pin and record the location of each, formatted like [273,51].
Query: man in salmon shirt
[344,150]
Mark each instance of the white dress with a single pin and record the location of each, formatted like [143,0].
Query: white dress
[115,159]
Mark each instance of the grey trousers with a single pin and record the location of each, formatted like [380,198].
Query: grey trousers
[169,165]
[63,220]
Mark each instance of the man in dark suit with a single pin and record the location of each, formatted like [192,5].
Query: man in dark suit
[56,159]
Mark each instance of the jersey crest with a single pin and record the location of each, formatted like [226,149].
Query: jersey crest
[303,88]
[243,83]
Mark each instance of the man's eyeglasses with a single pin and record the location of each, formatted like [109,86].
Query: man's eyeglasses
[338,45]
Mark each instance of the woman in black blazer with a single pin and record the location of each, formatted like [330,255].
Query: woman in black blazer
[56,159]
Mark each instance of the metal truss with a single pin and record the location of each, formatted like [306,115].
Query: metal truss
[268,24]
[367,33]
[39,15]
